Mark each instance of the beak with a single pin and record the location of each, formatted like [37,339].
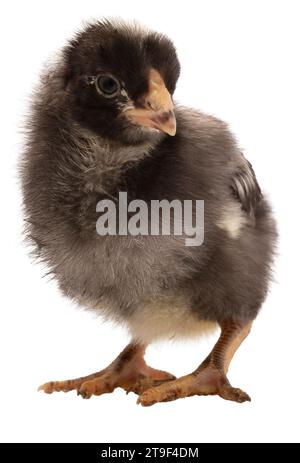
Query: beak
[157,107]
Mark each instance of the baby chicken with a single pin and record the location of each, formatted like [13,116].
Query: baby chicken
[103,122]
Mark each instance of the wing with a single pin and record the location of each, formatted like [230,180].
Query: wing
[245,187]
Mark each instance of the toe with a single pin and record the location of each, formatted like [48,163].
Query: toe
[167,376]
[60,386]
[56,386]
[47,387]
[87,389]
[143,383]
[96,386]
[164,393]
[235,394]
[148,398]
[158,375]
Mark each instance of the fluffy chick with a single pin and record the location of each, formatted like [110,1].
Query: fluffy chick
[103,121]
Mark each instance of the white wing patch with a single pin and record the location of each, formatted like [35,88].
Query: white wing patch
[233,220]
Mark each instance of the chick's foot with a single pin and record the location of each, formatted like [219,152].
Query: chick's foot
[210,377]
[208,382]
[128,371]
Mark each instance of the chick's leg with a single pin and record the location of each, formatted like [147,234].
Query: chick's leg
[128,371]
[210,377]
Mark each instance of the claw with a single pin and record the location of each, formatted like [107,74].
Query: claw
[47,387]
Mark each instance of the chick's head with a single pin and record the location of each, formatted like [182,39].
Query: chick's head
[120,80]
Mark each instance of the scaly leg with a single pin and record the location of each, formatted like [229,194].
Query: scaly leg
[210,377]
[128,371]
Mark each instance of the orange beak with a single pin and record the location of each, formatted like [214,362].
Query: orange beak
[157,107]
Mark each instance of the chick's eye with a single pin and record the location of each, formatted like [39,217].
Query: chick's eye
[108,85]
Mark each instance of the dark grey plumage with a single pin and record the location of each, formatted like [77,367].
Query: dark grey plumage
[81,150]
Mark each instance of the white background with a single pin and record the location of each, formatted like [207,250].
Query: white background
[240,61]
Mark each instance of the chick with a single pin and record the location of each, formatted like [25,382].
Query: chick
[103,121]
